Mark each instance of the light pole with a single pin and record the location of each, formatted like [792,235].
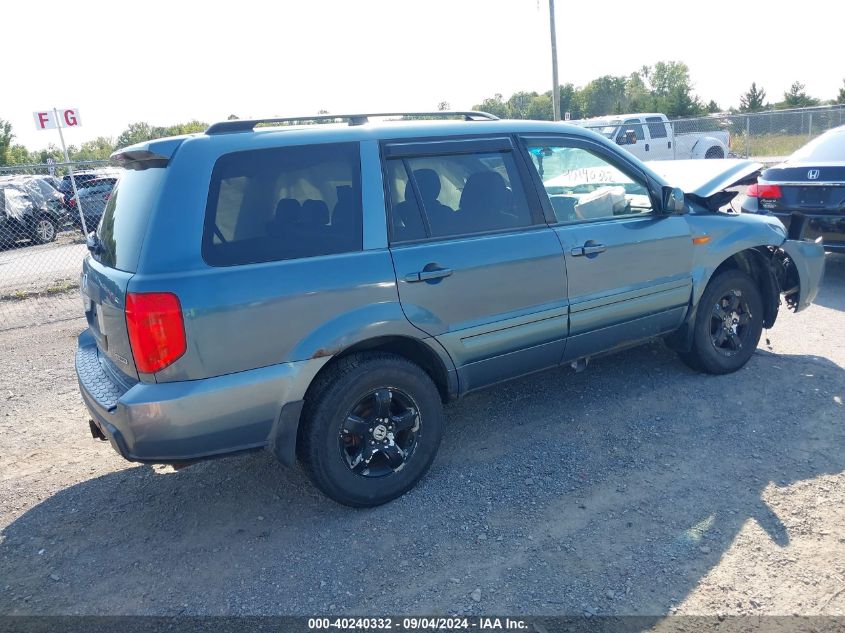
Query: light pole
[555,86]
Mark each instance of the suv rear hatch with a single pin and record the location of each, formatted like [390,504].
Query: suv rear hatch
[115,251]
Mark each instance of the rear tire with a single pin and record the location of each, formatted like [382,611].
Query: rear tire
[714,152]
[370,428]
[728,324]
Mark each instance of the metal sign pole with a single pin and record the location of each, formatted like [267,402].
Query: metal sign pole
[70,171]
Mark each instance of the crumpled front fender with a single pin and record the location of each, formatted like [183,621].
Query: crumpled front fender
[808,258]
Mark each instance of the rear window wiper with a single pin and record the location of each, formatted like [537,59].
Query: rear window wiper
[94,244]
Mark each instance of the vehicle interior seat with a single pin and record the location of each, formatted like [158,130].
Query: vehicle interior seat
[288,212]
[564,207]
[486,202]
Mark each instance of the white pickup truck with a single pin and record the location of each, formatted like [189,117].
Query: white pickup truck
[649,136]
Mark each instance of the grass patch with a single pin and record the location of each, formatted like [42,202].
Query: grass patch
[50,291]
[768,144]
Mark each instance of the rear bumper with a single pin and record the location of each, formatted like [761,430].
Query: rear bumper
[829,226]
[188,420]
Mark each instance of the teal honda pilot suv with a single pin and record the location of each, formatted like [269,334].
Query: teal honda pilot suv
[322,290]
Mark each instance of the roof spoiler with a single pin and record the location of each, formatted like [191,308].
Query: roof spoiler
[246,125]
[148,154]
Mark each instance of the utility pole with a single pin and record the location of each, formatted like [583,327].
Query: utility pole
[555,85]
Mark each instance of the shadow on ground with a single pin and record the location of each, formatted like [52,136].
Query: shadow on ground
[548,494]
[615,490]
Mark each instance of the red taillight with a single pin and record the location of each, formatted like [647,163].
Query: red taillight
[156,329]
[763,191]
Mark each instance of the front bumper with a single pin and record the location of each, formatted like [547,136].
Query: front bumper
[187,420]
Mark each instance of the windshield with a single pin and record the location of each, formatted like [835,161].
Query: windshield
[124,222]
[827,147]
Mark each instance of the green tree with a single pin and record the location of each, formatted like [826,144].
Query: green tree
[191,127]
[140,132]
[98,149]
[713,107]
[840,98]
[443,106]
[519,104]
[135,133]
[797,97]
[541,108]
[604,95]
[6,137]
[754,100]
[637,93]
[570,101]
[494,105]
[18,155]
[671,89]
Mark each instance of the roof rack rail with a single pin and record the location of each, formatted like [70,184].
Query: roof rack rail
[245,125]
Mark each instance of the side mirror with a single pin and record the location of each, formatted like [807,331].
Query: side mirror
[631,137]
[673,200]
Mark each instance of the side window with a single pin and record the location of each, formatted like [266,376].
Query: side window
[582,185]
[283,203]
[630,124]
[406,217]
[656,127]
[461,194]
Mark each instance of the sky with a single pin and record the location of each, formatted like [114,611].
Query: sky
[170,62]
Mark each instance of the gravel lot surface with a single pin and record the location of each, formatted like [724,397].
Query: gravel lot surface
[634,487]
[26,266]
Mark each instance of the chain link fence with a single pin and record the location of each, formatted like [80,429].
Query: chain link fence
[765,136]
[42,243]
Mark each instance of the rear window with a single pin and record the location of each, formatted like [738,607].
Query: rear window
[656,128]
[125,217]
[283,203]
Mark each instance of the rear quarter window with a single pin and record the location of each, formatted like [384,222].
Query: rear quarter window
[283,203]
[126,216]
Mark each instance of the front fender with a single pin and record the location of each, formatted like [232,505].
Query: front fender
[808,259]
[729,235]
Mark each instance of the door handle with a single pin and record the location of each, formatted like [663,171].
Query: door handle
[588,249]
[646,147]
[670,144]
[428,275]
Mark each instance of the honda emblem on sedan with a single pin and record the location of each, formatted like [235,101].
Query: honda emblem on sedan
[813,174]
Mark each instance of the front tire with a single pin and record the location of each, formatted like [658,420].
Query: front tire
[371,426]
[728,324]
[45,230]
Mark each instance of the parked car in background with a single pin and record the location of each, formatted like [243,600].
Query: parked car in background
[93,197]
[810,183]
[650,136]
[322,290]
[26,214]
[81,178]
[45,188]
